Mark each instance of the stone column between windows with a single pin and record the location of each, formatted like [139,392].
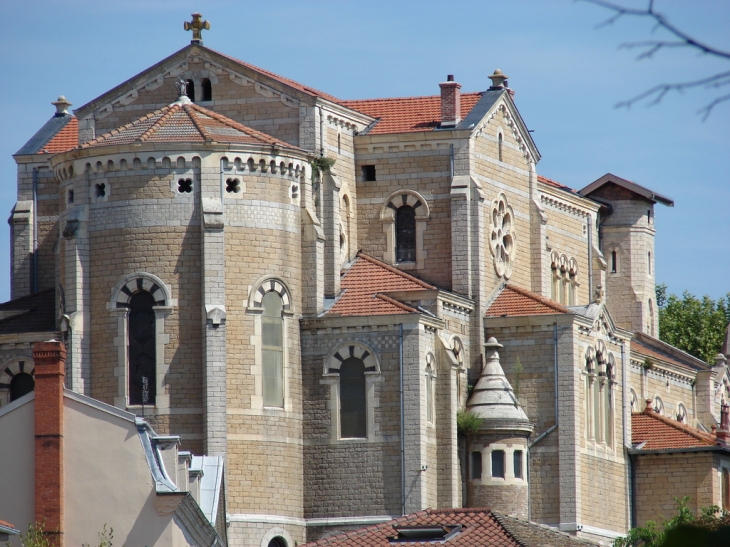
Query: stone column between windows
[211,177]
[414,429]
[480,255]
[331,219]
[73,226]
[569,431]
[542,275]
[461,235]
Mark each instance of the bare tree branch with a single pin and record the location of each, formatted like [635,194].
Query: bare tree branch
[651,47]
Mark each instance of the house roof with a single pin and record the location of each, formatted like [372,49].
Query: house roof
[363,284]
[8,529]
[633,187]
[59,134]
[468,527]
[184,122]
[556,184]
[286,81]
[32,313]
[660,433]
[652,348]
[408,114]
[515,301]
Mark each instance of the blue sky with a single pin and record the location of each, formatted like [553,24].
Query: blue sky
[567,73]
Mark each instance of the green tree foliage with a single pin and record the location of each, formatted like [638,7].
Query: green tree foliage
[694,325]
[710,529]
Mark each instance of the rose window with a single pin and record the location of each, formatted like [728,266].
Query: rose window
[502,241]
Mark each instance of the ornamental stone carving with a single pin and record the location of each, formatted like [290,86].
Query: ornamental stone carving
[502,238]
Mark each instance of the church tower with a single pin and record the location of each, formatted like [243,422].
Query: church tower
[497,452]
[626,233]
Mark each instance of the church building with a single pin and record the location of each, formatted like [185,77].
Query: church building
[366,308]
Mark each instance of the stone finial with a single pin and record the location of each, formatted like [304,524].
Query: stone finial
[197,25]
[493,398]
[61,105]
[720,360]
[649,406]
[498,80]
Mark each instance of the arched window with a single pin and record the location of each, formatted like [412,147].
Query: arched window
[353,402]
[649,262]
[207,89]
[500,140]
[142,350]
[272,350]
[658,405]
[278,541]
[681,413]
[608,411]
[190,90]
[614,262]
[590,379]
[634,401]
[21,384]
[430,388]
[405,234]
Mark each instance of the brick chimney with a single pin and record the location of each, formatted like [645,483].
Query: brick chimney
[450,103]
[49,358]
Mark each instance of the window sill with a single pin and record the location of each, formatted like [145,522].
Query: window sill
[405,265]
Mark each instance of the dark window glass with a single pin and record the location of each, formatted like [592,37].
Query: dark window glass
[207,89]
[278,541]
[353,417]
[498,463]
[368,172]
[476,465]
[190,90]
[500,138]
[21,384]
[518,464]
[142,349]
[613,261]
[405,234]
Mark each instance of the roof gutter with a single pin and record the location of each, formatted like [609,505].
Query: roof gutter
[717,448]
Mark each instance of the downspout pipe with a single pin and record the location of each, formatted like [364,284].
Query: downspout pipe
[555,364]
[590,259]
[451,161]
[321,131]
[402,426]
[34,262]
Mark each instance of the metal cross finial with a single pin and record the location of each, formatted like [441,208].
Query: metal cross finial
[197,25]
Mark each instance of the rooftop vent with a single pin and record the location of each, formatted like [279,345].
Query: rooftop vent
[61,105]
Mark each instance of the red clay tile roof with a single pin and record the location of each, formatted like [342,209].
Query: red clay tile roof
[363,284]
[661,432]
[66,139]
[282,79]
[408,114]
[516,301]
[556,184]
[184,123]
[480,527]
[646,351]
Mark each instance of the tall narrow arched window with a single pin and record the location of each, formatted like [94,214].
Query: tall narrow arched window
[649,262]
[207,89]
[589,381]
[430,388]
[614,262]
[608,411]
[353,401]
[21,384]
[272,350]
[190,90]
[651,319]
[405,234]
[500,140]
[142,350]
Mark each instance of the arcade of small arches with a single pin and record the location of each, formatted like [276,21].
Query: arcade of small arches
[599,388]
[564,285]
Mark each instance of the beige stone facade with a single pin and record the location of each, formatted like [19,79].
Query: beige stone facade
[209,227]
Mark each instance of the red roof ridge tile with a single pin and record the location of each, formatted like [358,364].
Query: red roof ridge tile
[541,299]
[237,125]
[412,97]
[166,111]
[696,433]
[396,271]
[393,301]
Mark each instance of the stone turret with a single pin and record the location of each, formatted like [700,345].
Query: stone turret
[497,451]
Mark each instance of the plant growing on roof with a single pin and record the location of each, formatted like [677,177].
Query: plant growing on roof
[320,164]
[467,423]
[648,364]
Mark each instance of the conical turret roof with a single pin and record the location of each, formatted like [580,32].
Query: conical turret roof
[493,399]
